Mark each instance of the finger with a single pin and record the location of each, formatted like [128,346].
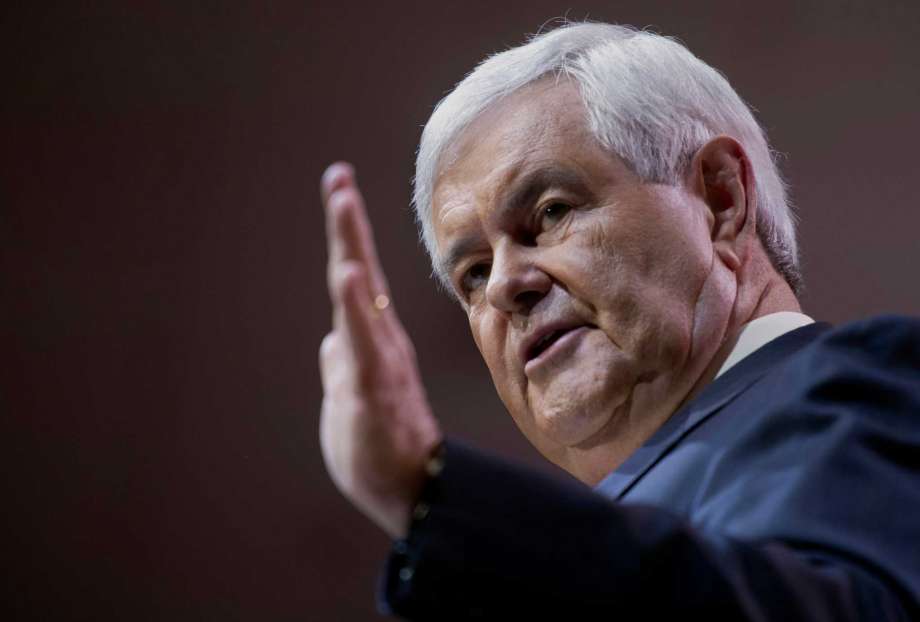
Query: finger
[352,235]
[377,304]
[336,176]
[358,246]
[348,228]
[350,238]
[342,257]
[357,319]
[336,214]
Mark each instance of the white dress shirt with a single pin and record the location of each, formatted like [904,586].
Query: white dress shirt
[760,332]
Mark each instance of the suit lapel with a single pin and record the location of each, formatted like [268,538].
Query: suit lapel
[712,399]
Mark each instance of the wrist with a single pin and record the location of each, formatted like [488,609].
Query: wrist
[415,506]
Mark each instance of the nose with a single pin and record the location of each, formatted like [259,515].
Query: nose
[516,284]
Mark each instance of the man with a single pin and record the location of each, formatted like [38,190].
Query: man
[605,209]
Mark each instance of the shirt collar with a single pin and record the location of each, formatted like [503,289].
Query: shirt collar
[759,332]
[774,345]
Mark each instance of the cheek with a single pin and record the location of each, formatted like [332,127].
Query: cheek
[490,335]
[486,341]
[591,264]
[609,271]
[667,303]
[643,283]
[508,378]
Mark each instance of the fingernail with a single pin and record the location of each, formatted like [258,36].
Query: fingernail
[335,174]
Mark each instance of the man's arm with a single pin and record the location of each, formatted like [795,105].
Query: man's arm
[498,542]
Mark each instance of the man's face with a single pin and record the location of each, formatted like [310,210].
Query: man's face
[589,293]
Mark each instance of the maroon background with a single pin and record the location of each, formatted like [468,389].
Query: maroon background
[162,265]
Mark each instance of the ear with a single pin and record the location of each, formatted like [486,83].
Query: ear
[722,176]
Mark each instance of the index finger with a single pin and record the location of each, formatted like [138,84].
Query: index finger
[348,230]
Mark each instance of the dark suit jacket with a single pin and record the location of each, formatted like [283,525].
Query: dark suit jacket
[788,490]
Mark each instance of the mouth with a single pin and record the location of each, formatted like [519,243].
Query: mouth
[548,339]
[545,342]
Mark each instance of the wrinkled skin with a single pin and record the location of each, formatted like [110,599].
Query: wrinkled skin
[650,269]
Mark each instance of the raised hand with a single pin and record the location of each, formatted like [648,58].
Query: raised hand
[376,427]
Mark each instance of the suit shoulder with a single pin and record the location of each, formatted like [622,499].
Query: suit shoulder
[867,370]
[886,339]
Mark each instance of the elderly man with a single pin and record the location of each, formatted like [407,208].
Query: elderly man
[606,210]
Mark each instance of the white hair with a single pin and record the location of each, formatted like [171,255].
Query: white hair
[649,100]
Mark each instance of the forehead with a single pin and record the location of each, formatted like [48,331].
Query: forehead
[541,126]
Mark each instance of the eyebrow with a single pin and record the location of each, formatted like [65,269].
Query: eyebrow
[525,192]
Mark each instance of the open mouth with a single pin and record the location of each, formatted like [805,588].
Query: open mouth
[547,341]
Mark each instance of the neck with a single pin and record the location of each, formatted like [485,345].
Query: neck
[773,296]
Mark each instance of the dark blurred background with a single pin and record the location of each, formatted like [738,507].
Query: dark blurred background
[162,257]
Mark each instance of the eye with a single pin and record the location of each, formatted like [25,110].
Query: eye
[475,277]
[551,214]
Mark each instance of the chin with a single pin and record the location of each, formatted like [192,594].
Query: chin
[577,402]
[571,427]
[573,419]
